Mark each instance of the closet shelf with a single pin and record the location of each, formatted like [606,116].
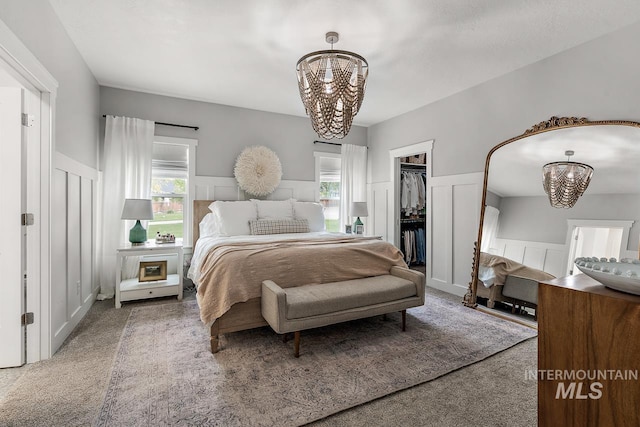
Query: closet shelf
[412,221]
[413,165]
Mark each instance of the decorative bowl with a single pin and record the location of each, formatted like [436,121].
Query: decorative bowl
[622,276]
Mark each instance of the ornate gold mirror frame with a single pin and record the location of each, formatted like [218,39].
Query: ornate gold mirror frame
[553,124]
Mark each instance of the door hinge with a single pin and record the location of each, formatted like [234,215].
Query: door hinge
[27,120]
[27,219]
[27,318]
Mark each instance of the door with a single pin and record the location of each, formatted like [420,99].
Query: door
[12,332]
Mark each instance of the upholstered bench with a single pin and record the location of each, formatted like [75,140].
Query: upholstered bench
[314,305]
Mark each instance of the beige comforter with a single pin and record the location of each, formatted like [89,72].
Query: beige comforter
[504,267]
[233,272]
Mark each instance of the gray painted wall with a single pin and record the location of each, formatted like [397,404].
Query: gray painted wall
[76,122]
[597,80]
[493,200]
[533,219]
[225,131]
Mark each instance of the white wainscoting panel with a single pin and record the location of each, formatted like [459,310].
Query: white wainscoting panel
[73,244]
[452,222]
[439,255]
[86,234]
[549,257]
[453,212]
[224,188]
[73,284]
[381,211]
[466,215]
[58,252]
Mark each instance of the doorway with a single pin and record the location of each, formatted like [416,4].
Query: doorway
[596,238]
[20,68]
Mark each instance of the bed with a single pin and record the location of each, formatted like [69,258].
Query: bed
[504,280]
[229,263]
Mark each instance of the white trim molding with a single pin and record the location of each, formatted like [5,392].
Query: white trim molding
[225,188]
[16,54]
[410,150]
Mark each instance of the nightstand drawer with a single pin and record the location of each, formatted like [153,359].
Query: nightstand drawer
[150,292]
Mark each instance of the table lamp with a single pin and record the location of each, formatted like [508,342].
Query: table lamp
[359,209]
[137,209]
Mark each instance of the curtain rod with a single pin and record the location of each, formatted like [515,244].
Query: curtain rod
[169,124]
[332,143]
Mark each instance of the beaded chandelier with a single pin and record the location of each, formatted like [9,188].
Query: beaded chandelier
[331,84]
[565,182]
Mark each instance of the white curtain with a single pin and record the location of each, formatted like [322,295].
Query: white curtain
[353,180]
[128,148]
[489,228]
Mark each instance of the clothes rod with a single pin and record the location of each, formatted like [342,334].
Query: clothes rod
[171,124]
[331,143]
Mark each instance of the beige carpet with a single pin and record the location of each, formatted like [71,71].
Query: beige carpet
[163,373]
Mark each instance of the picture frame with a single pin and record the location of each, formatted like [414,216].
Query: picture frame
[152,270]
[347,229]
[359,229]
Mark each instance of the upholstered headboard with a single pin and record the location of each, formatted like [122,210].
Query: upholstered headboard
[200,209]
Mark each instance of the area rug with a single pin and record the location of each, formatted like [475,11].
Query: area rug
[164,374]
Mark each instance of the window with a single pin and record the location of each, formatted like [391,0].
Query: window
[328,167]
[171,179]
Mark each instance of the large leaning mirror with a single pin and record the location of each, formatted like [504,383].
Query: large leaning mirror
[518,222]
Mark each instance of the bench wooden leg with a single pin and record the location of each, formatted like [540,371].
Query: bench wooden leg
[296,344]
[215,328]
[404,320]
[384,317]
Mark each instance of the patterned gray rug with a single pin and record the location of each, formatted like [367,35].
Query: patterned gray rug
[164,374]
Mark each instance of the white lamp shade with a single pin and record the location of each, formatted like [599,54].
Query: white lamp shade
[137,209]
[359,209]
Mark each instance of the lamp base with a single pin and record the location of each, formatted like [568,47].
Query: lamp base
[137,234]
[358,226]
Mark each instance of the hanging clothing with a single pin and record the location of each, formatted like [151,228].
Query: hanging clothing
[413,246]
[412,192]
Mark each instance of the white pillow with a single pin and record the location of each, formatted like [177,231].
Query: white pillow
[274,209]
[312,212]
[209,225]
[233,217]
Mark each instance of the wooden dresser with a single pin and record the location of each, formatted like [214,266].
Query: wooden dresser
[587,330]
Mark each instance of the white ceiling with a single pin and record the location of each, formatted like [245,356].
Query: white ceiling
[612,151]
[243,52]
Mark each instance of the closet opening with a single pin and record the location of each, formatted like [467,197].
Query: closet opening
[410,203]
[413,209]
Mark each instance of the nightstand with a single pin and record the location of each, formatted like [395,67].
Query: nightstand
[133,289]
